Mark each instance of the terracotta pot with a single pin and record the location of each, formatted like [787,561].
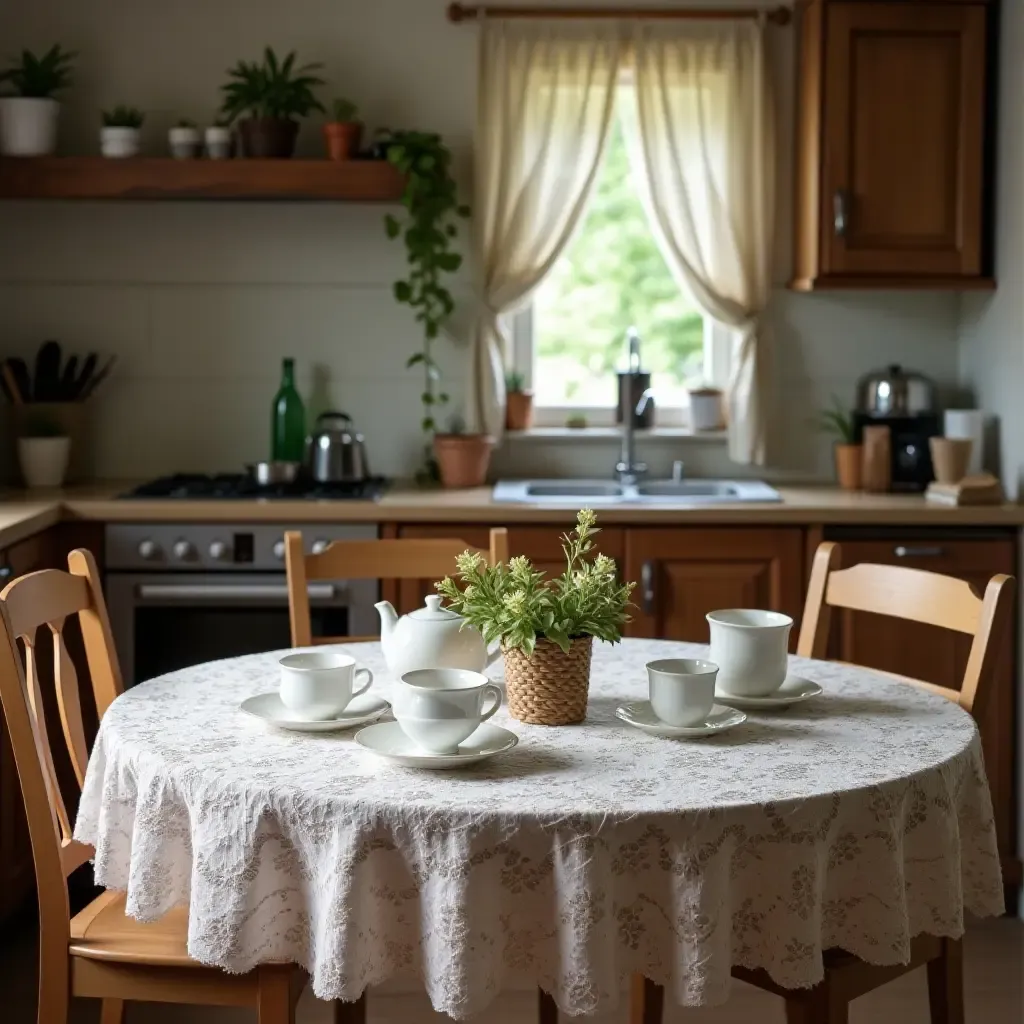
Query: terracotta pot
[342,139]
[519,410]
[267,138]
[463,458]
[848,466]
[550,686]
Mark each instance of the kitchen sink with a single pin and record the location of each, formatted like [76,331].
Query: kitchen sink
[646,492]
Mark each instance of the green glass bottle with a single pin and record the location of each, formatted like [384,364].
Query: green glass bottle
[288,426]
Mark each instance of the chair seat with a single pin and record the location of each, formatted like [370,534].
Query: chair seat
[103,931]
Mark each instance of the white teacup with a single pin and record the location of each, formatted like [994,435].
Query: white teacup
[682,690]
[438,708]
[751,650]
[319,684]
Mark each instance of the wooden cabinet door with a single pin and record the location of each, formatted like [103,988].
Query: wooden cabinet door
[686,572]
[903,124]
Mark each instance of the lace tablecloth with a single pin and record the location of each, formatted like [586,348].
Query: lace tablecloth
[857,820]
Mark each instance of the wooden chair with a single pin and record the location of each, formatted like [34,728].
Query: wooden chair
[916,596]
[100,952]
[408,559]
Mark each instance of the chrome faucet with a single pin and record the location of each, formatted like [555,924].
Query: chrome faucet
[627,469]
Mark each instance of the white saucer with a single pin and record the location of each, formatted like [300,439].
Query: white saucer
[267,707]
[387,740]
[641,715]
[792,691]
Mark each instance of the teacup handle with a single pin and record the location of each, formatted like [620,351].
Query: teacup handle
[369,680]
[495,692]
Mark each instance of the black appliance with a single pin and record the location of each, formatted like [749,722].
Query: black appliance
[911,456]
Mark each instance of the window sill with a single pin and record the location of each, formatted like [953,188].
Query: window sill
[539,435]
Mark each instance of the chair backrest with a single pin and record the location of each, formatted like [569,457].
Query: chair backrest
[915,596]
[47,598]
[403,559]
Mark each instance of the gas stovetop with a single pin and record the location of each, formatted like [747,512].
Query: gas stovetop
[229,486]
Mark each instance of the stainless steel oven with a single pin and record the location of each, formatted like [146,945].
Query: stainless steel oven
[182,594]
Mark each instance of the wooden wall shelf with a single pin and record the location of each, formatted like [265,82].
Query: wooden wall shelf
[89,177]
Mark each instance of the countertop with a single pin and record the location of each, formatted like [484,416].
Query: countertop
[25,513]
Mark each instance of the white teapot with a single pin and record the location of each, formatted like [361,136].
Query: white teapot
[431,637]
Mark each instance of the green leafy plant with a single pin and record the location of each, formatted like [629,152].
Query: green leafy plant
[186,123]
[344,111]
[576,421]
[838,422]
[40,77]
[429,229]
[123,117]
[271,89]
[515,382]
[518,605]
[43,426]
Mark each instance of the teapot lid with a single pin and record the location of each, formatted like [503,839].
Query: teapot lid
[433,612]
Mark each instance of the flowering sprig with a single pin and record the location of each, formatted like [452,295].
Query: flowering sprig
[516,604]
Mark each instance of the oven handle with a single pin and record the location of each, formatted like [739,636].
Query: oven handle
[208,592]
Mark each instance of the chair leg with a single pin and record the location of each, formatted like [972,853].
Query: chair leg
[646,1001]
[350,1013]
[818,1005]
[547,1008]
[112,1011]
[946,984]
[274,995]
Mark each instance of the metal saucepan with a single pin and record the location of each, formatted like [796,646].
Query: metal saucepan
[335,451]
[273,474]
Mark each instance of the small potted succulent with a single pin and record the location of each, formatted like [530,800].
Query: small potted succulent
[518,402]
[546,627]
[838,423]
[462,459]
[43,452]
[344,131]
[184,141]
[28,119]
[119,136]
[267,100]
[706,408]
[219,141]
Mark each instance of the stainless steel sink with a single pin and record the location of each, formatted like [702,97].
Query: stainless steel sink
[576,493]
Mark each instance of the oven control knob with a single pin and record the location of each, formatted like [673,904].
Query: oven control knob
[183,550]
[218,550]
[320,546]
[279,549]
[148,550]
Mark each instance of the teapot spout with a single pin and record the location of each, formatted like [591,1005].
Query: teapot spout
[492,656]
[388,619]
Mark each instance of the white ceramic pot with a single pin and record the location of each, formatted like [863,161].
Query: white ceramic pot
[682,690]
[28,126]
[119,142]
[751,649]
[185,142]
[438,708]
[319,684]
[43,460]
[706,409]
[218,142]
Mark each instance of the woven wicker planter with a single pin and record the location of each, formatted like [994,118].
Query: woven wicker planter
[549,687]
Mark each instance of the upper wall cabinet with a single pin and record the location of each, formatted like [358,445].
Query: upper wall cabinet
[891,146]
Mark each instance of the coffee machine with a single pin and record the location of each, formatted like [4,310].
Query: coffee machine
[905,402]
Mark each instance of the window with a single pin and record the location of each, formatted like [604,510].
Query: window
[571,341]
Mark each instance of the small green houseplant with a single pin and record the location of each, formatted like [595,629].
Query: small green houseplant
[518,402]
[837,422]
[429,229]
[119,136]
[344,130]
[546,627]
[28,118]
[268,99]
[185,140]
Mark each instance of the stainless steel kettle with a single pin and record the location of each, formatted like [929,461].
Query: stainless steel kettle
[895,392]
[335,451]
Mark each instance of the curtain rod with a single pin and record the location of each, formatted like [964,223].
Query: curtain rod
[468,12]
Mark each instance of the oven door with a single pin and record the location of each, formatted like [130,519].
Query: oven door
[170,621]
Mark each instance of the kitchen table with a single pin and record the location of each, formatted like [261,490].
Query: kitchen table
[587,853]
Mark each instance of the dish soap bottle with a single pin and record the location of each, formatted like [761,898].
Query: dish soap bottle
[288,425]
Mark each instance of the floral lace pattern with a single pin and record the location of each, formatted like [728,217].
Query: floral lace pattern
[856,820]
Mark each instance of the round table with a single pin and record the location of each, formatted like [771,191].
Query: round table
[856,820]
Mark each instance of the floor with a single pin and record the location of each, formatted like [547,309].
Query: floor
[994,967]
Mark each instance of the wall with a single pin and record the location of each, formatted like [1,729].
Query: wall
[200,302]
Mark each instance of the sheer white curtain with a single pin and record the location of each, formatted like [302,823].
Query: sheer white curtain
[702,130]
[546,94]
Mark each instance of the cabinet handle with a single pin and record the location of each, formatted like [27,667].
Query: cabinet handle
[901,551]
[647,594]
[840,214]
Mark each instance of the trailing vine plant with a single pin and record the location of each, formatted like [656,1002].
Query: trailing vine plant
[429,228]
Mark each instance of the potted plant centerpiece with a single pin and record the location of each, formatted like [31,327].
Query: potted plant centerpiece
[344,130]
[546,627]
[120,135]
[267,100]
[837,422]
[28,119]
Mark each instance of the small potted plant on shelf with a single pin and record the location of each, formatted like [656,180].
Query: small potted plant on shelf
[119,136]
[43,452]
[185,141]
[219,141]
[838,423]
[462,459]
[28,119]
[546,627]
[518,402]
[706,412]
[267,100]
[344,131]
